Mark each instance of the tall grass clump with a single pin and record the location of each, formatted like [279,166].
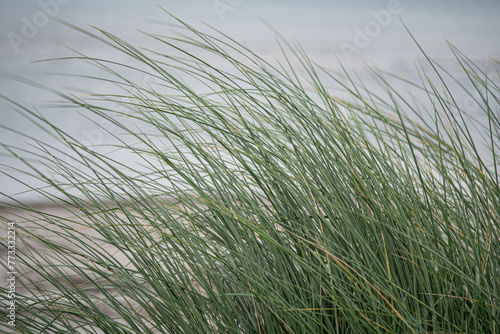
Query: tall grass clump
[262,197]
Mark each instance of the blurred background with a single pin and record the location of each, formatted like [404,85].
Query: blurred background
[355,33]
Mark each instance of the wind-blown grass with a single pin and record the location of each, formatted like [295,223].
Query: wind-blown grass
[266,201]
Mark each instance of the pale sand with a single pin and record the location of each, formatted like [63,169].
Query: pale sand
[45,214]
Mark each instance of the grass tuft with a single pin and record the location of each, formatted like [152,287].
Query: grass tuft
[260,197]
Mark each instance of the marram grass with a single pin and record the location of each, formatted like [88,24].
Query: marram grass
[266,200]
